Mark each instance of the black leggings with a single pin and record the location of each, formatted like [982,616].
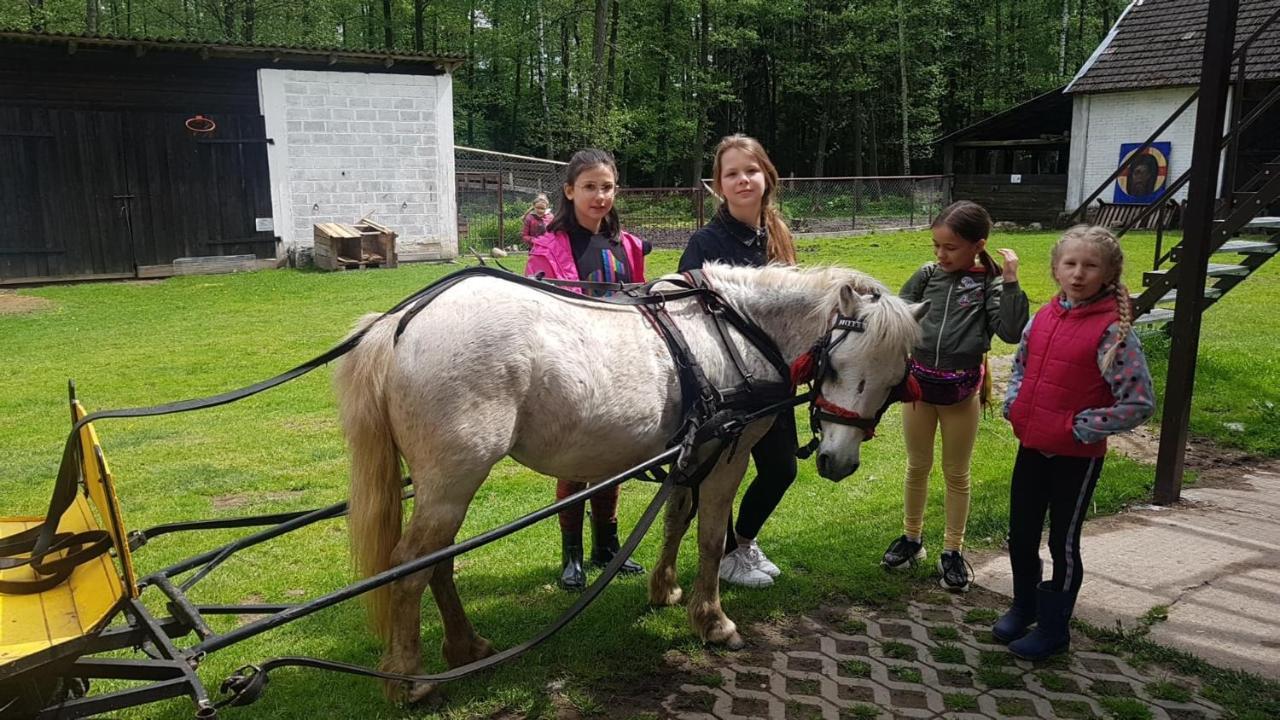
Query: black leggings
[1062,486]
[775,457]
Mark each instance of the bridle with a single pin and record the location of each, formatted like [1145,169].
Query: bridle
[812,368]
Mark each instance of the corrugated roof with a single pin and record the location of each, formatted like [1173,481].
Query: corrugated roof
[268,52]
[1160,43]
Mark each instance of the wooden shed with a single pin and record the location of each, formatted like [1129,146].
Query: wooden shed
[1014,163]
[121,156]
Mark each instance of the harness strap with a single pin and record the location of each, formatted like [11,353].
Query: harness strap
[247,683]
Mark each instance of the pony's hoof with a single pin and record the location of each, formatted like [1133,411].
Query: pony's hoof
[407,693]
[725,633]
[478,649]
[666,598]
[422,693]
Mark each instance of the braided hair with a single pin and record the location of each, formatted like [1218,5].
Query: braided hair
[1112,256]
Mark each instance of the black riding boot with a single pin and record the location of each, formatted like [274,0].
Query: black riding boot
[604,546]
[572,577]
[1022,614]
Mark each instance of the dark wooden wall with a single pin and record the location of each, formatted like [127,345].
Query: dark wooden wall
[1038,198]
[102,179]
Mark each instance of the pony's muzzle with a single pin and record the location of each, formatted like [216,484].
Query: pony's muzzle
[834,470]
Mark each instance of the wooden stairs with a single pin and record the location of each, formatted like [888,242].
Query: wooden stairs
[1242,231]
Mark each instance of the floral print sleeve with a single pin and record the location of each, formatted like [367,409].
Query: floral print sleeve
[1130,382]
[1017,371]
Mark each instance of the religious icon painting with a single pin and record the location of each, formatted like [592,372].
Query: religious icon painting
[1146,179]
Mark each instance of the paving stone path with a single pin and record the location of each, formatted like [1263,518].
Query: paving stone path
[931,661]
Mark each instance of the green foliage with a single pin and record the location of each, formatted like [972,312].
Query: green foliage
[819,81]
[1125,708]
[981,616]
[945,632]
[998,679]
[948,653]
[1165,690]
[855,668]
[898,651]
[960,702]
[904,673]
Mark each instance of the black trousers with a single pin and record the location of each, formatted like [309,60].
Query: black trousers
[775,457]
[1062,487]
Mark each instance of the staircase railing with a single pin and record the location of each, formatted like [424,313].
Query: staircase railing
[1240,54]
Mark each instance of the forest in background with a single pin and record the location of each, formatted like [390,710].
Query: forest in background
[830,88]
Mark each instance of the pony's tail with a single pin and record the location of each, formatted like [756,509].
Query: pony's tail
[375,516]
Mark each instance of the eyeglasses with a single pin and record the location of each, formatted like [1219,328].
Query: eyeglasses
[607,190]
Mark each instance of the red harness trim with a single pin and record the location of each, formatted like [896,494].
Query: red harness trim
[836,410]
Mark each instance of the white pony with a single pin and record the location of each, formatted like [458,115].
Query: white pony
[581,391]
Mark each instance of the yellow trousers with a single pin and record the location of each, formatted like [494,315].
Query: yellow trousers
[959,424]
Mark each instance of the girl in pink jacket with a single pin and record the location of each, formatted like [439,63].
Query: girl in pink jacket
[584,241]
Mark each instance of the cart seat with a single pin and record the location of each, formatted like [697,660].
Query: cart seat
[33,626]
[40,628]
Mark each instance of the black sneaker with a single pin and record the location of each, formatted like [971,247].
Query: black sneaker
[903,553]
[955,570]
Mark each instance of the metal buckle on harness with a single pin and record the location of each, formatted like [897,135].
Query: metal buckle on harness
[244,685]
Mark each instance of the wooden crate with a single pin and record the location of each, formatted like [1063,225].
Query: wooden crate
[348,247]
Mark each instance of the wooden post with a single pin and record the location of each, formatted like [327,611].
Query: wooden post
[501,236]
[1193,264]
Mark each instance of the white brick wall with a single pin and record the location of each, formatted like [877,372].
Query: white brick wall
[1101,122]
[352,144]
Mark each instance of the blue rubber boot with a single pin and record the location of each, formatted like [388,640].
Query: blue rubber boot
[1022,614]
[1052,634]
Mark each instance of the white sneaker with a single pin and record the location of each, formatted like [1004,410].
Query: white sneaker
[736,568]
[757,558]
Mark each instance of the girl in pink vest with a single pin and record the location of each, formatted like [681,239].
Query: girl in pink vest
[585,241]
[1079,375]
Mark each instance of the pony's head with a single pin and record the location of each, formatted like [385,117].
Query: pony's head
[859,369]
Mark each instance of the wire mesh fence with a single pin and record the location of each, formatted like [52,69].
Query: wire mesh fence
[496,190]
[857,204]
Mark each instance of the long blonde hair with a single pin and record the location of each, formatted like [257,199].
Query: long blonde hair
[1113,259]
[781,247]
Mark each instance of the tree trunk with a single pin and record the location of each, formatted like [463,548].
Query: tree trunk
[91,16]
[248,16]
[229,19]
[419,16]
[565,60]
[664,104]
[595,94]
[471,72]
[35,9]
[902,66]
[611,74]
[700,84]
[388,40]
[1062,37]
[857,133]
[548,144]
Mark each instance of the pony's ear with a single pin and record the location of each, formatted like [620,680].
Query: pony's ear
[851,300]
[919,310]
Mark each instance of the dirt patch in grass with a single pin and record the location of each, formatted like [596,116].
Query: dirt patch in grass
[239,500]
[11,303]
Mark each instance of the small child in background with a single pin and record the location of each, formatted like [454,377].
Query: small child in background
[536,220]
[1079,375]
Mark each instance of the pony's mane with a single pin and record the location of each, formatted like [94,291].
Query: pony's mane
[889,318]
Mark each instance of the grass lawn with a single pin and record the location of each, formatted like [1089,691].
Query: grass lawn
[131,344]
